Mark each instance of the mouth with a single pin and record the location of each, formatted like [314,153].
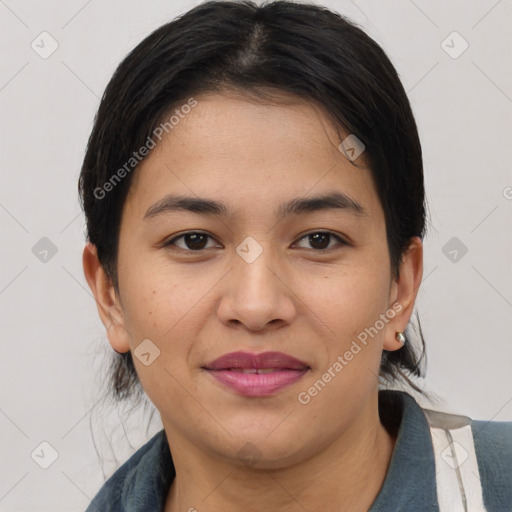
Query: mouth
[257,371]
[265,362]
[257,374]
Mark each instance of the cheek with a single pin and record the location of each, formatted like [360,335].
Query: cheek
[154,299]
[168,308]
[350,300]
[157,309]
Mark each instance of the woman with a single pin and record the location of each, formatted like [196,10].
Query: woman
[253,187]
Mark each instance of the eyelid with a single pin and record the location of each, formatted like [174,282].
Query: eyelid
[170,242]
[341,240]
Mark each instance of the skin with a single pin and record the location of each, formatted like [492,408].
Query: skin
[331,454]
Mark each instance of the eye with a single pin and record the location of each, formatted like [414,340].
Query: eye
[194,241]
[320,239]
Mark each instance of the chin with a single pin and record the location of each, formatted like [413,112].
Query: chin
[257,450]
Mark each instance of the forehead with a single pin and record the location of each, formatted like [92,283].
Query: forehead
[230,146]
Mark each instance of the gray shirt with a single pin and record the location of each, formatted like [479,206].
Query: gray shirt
[142,482]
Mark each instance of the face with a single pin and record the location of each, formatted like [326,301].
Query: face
[253,276]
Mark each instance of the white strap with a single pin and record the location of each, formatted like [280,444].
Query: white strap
[459,488]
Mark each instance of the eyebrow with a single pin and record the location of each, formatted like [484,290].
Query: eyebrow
[296,206]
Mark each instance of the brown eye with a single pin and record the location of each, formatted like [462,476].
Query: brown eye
[193,241]
[196,241]
[320,240]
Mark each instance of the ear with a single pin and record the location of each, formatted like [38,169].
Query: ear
[107,302]
[404,291]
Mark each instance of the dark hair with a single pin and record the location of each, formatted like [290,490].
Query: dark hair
[303,49]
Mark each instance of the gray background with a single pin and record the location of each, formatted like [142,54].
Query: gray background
[53,343]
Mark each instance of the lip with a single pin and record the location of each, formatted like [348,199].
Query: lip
[229,370]
[248,360]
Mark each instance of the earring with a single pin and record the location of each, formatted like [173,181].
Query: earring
[400,337]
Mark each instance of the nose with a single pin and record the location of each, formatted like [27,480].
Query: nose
[255,292]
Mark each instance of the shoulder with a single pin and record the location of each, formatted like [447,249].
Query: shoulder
[493,447]
[115,492]
[495,437]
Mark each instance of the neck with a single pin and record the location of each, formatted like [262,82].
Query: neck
[344,476]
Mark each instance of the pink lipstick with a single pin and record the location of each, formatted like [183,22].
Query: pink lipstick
[256,374]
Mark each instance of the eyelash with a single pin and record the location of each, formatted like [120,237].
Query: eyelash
[173,240]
